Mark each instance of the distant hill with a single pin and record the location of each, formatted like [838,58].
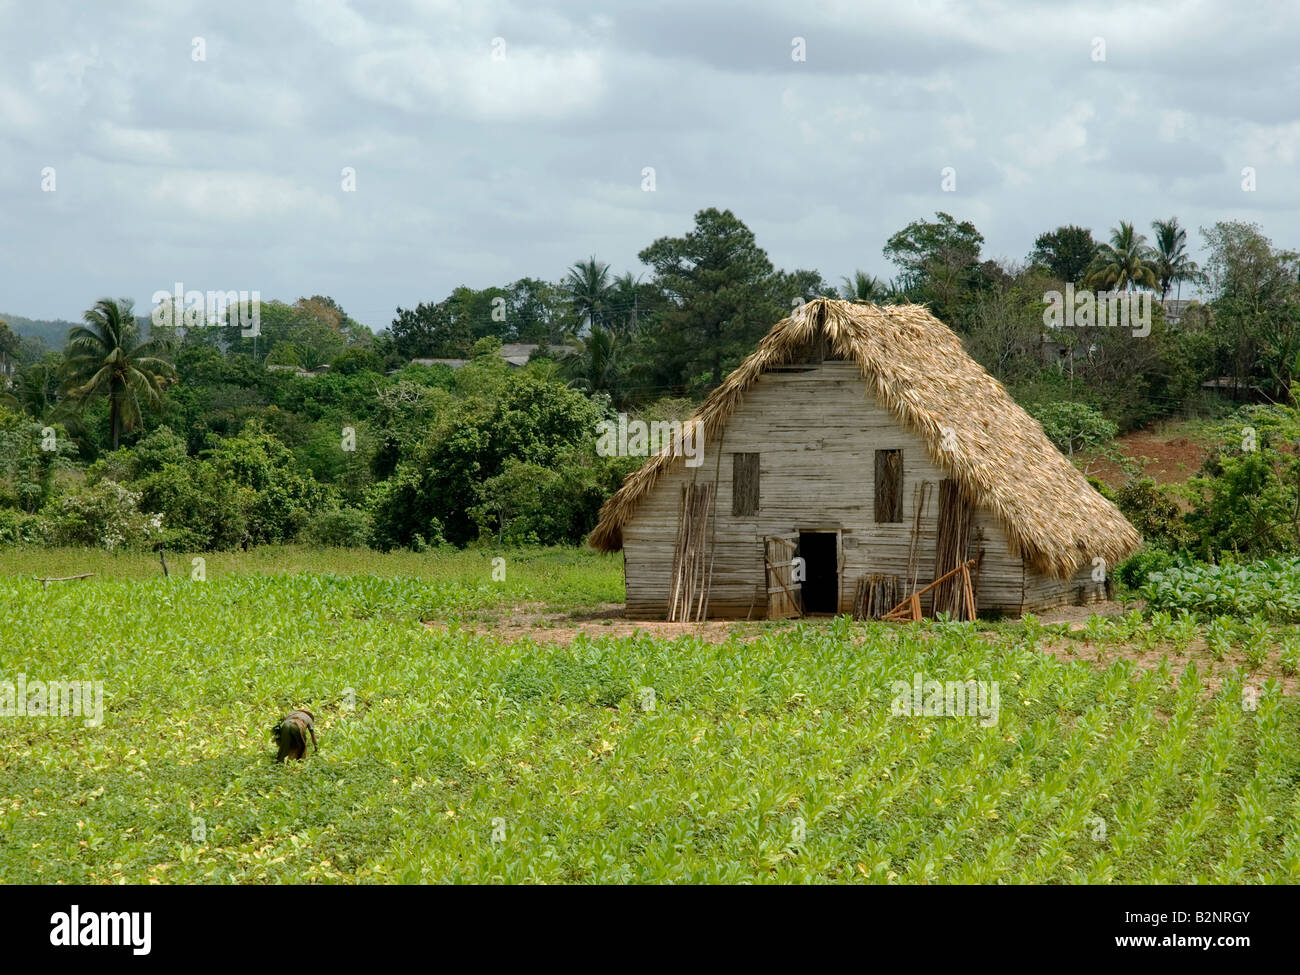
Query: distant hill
[52,333]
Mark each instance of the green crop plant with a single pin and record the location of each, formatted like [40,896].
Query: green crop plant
[1269,588]
[1257,640]
[1097,629]
[453,753]
[1289,659]
[1157,629]
[1219,637]
[1182,631]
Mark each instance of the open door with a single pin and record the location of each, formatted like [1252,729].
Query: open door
[783,593]
[820,552]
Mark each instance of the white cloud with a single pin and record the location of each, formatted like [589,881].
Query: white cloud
[141,145]
[17,111]
[1065,136]
[960,130]
[525,84]
[1271,144]
[237,196]
[63,75]
[1172,123]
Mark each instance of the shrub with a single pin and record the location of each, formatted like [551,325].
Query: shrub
[201,509]
[342,527]
[20,528]
[278,497]
[1074,426]
[459,475]
[1244,506]
[522,505]
[103,515]
[321,453]
[128,464]
[27,462]
[668,408]
[1134,571]
[1153,510]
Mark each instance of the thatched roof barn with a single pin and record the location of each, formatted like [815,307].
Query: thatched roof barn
[865,443]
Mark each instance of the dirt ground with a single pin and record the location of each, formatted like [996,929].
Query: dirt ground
[532,622]
[1167,460]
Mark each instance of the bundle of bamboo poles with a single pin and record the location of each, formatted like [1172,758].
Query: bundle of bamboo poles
[689,598]
[875,596]
[952,542]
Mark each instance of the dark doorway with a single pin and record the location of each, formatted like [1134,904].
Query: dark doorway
[821,586]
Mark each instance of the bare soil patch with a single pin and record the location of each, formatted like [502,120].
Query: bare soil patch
[1164,458]
[532,622]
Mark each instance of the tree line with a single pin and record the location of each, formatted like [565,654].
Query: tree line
[318,428]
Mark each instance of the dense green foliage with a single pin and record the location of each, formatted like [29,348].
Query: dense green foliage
[424,456]
[1243,504]
[1246,502]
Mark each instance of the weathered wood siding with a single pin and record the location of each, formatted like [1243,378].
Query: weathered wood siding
[816,433]
[1045,592]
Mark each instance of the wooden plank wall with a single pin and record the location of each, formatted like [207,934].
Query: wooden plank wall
[816,432]
[1045,592]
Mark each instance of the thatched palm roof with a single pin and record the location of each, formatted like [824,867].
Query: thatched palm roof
[917,368]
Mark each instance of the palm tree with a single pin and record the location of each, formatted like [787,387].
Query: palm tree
[1123,264]
[104,357]
[8,351]
[1173,263]
[36,388]
[594,364]
[588,286]
[868,289]
[623,303]
[863,287]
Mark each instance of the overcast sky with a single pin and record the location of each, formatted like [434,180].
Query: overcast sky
[495,140]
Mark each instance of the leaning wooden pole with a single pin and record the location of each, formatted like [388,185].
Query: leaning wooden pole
[910,608]
[713,540]
[677,558]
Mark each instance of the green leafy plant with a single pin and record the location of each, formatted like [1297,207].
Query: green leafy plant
[1289,659]
[1256,641]
[1269,588]
[1219,637]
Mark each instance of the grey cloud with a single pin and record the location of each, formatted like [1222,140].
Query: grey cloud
[470,171]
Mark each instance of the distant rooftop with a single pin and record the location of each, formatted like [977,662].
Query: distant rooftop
[1174,308]
[298,370]
[515,353]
